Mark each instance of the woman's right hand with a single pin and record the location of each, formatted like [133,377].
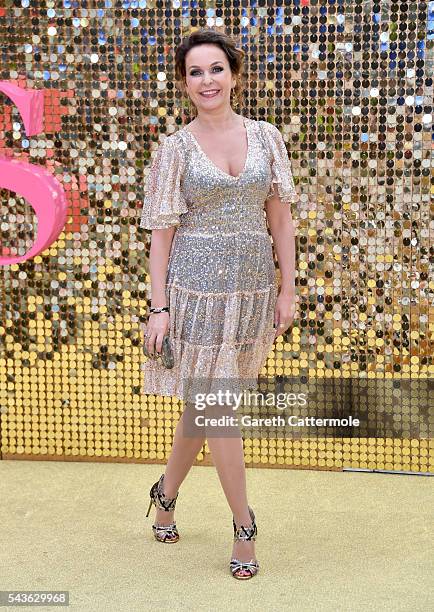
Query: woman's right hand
[158,324]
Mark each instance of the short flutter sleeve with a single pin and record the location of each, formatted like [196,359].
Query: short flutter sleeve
[163,201]
[281,172]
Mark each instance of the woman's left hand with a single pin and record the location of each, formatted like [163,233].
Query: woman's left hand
[284,312]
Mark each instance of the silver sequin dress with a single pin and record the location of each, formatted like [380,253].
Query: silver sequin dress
[221,284]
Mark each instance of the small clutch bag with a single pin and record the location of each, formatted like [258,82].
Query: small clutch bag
[166,355]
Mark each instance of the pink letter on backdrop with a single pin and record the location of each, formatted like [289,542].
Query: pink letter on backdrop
[42,190]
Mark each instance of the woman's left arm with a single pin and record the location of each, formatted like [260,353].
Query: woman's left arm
[281,226]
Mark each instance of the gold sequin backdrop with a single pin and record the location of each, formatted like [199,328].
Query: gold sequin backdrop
[349,84]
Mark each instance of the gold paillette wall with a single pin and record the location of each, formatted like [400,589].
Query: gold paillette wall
[350,86]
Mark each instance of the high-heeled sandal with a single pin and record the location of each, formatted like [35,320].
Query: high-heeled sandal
[163,533]
[244,533]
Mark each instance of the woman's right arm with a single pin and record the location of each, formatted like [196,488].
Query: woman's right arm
[158,323]
[163,205]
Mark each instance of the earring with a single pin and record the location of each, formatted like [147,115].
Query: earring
[187,105]
[190,109]
[234,100]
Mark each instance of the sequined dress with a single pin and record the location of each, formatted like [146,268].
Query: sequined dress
[221,284]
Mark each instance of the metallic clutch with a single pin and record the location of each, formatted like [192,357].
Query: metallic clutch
[166,356]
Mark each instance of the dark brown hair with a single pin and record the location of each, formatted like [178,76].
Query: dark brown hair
[226,43]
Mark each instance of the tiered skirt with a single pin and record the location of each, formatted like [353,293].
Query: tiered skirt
[221,298]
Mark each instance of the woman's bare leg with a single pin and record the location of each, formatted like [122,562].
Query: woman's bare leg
[183,455]
[228,457]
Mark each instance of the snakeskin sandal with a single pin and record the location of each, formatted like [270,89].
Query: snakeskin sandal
[238,568]
[163,533]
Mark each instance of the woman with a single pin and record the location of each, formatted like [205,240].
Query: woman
[213,279]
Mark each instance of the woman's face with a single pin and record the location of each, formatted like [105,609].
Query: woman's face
[207,68]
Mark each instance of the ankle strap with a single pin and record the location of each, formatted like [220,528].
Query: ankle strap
[163,502]
[246,533]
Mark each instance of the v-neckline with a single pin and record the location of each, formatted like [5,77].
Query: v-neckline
[243,171]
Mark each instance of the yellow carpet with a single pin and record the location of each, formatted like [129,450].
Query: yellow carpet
[327,541]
